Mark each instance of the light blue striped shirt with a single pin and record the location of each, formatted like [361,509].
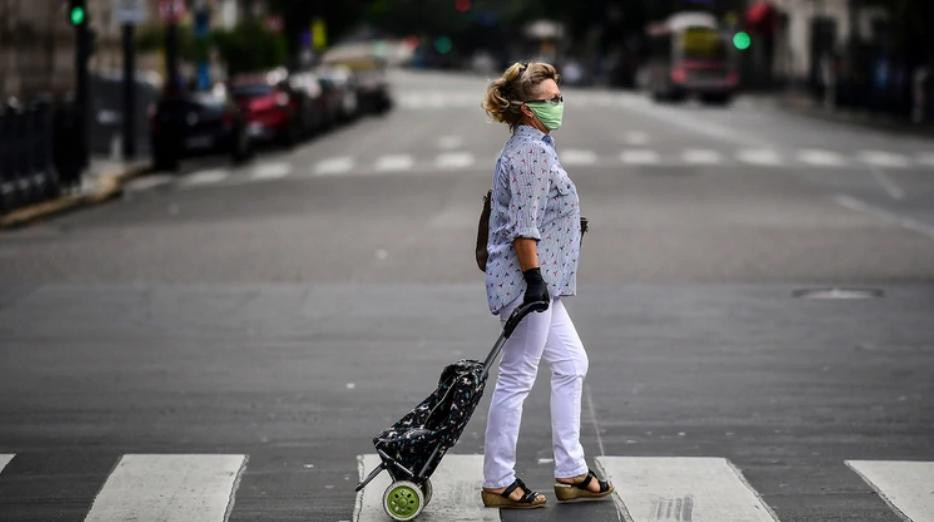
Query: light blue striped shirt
[533,197]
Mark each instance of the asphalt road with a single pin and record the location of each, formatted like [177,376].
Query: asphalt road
[289,309]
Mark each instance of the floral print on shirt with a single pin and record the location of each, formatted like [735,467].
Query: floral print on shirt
[533,197]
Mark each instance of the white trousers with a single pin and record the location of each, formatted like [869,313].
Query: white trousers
[549,334]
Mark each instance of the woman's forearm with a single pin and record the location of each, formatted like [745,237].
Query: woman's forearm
[527,252]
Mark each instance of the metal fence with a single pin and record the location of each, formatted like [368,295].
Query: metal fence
[36,160]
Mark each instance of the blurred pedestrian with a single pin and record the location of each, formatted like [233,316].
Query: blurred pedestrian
[533,248]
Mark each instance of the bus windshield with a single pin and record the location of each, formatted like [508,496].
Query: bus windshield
[702,43]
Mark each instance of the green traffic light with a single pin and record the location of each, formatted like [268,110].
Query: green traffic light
[77,15]
[742,40]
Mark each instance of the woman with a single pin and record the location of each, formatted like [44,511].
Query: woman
[533,246]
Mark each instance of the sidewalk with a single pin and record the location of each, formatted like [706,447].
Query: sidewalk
[103,180]
[803,102]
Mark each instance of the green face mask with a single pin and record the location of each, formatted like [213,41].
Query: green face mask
[548,113]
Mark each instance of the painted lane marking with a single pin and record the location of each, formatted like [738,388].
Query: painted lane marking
[205,177]
[767,157]
[4,460]
[577,157]
[883,159]
[176,488]
[887,183]
[455,494]
[271,171]
[635,138]
[392,162]
[906,486]
[905,222]
[454,160]
[335,165]
[926,159]
[450,142]
[639,157]
[701,156]
[700,489]
[821,158]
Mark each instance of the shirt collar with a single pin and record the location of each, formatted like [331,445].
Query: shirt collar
[531,132]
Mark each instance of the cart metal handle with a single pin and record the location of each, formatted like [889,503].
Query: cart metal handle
[517,315]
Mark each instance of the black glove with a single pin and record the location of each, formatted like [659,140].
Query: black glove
[536,290]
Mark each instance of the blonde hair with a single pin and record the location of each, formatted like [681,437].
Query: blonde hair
[515,85]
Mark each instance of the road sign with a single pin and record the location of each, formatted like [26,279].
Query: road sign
[130,11]
[171,11]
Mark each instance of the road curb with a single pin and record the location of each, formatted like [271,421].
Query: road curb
[110,186]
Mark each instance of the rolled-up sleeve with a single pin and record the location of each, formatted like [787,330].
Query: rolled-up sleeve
[528,175]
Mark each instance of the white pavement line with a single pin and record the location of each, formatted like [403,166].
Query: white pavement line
[577,157]
[639,157]
[880,158]
[759,157]
[454,160]
[887,183]
[592,411]
[4,460]
[700,489]
[271,171]
[821,158]
[394,162]
[455,497]
[335,165]
[635,138]
[148,182]
[855,204]
[169,488]
[205,177]
[450,142]
[701,156]
[926,159]
[906,486]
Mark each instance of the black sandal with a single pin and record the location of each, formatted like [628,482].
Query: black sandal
[502,500]
[578,491]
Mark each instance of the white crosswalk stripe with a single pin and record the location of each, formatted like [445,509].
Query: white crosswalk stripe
[454,160]
[821,158]
[577,157]
[701,156]
[176,488]
[392,162]
[456,485]
[639,157]
[700,489]
[926,159]
[205,177]
[335,165]
[271,171]
[907,486]
[4,460]
[879,158]
[766,157]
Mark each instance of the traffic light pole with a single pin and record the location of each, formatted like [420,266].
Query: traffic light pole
[82,98]
[129,92]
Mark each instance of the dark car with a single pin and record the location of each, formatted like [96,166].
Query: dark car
[312,103]
[340,91]
[188,123]
[271,109]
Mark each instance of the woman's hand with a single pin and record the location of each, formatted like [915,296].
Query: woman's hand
[535,290]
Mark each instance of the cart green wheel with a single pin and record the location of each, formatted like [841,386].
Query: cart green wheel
[426,490]
[403,500]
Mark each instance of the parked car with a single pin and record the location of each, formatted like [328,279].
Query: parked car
[312,102]
[183,123]
[271,108]
[340,91]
